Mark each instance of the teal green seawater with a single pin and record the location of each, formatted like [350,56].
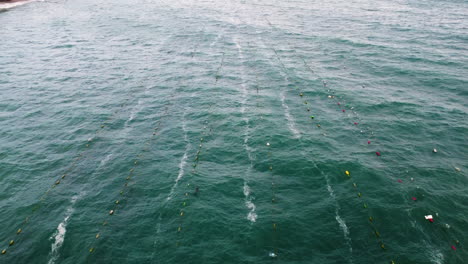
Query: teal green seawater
[143,131]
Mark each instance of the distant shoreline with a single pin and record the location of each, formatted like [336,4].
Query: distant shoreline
[8,4]
[12,1]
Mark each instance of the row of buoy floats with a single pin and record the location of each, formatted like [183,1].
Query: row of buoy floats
[371,135]
[372,138]
[130,176]
[306,103]
[192,189]
[371,219]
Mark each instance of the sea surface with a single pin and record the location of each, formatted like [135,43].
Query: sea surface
[234,131]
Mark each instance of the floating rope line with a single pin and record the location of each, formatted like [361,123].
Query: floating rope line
[274,221]
[359,194]
[181,168]
[66,174]
[449,236]
[313,118]
[454,242]
[219,69]
[274,208]
[372,138]
[186,196]
[124,191]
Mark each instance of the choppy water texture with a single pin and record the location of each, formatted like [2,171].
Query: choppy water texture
[221,131]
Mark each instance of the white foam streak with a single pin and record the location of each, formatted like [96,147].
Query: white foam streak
[251,215]
[436,256]
[182,163]
[134,112]
[289,118]
[341,222]
[215,41]
[105,160]
[59,236]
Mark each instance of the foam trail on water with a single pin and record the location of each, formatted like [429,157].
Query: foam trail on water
[215,41]
[341,222]
[251,215]
[291,123]
[182,163]
[180,175]
[244,88]
[289,118]
[59,236]
[137,108]
[436,256]
[135,111]
[105,160]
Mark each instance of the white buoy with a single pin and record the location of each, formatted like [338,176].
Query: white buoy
[268,144]
[272,254]
[434,150]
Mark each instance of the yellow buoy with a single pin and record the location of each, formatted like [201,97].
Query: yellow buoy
[12,242]
[347,173]
[19,231]
[4,252]
[91,250]
[97,235]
